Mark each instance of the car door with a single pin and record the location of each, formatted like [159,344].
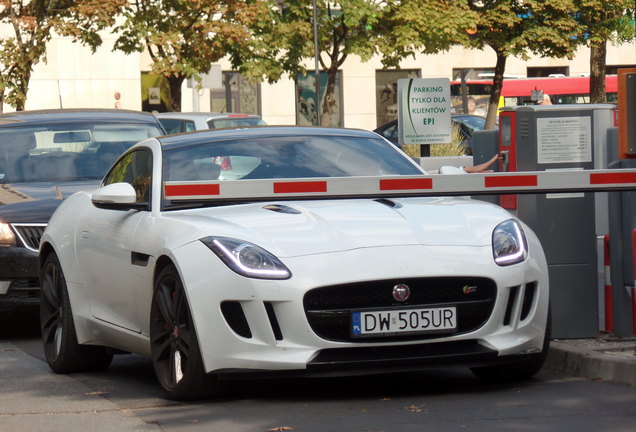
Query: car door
[105,246]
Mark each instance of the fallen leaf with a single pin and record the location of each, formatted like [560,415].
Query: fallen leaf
[280,429]
[414,408]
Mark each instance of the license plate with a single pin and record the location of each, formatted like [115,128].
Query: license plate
[400,321]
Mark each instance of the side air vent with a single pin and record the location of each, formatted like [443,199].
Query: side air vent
[235,317]
[528,299]
[273,321]
[514,292]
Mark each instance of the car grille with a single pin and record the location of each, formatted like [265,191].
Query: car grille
[30,234]
[328,309]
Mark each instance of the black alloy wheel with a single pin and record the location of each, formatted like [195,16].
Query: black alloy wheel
[59,340]
[175,352]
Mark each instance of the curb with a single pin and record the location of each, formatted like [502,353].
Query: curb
[591,364]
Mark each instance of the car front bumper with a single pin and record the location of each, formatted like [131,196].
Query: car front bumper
[281,339]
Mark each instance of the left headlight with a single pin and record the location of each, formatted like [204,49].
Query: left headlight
[509,245]
[7,238]
[247,259]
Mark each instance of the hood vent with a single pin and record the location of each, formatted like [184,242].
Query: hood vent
[281,208]
[388,203]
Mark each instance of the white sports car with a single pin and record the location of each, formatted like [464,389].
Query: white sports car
[321,259]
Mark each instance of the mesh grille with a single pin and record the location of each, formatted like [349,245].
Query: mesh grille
[30,234]
[328,309]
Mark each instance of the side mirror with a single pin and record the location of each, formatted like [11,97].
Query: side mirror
[117,196]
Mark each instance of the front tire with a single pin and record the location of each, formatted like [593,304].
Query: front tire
[174,346]
[59,340]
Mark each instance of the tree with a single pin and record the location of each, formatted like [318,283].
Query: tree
[410,27]
[185,37]
[345,28]
[603,21]
[515,27]
[30,24]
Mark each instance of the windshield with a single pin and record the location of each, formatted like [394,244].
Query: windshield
[286,157]
[65,152]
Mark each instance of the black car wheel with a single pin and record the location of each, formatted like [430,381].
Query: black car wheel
[59,339]
[519,370]
[174,346]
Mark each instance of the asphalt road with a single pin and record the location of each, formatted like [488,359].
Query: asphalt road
[127,397]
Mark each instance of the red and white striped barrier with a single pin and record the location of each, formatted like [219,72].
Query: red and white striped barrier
[424,185]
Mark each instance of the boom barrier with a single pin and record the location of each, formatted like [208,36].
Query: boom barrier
[526,182]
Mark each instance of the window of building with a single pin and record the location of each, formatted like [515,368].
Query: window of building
[470,90]
[555,71]
[306,111]
[386,98]
[238,95]
[613,69]
[472,74]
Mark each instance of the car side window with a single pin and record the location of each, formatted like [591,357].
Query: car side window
[173,126]
[134,168]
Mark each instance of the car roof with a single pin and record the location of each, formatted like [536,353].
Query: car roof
[204,115]
[193,138]
[78,115]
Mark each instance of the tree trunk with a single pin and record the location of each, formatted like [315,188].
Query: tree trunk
[495,94]
[22,85]
[329,99]
[175,92]
[598,53]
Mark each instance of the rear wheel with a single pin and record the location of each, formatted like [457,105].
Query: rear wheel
[59,339]
[173,341]
[520,370]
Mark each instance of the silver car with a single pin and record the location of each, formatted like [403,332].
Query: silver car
[177,122]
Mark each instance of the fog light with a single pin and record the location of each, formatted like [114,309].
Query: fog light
[4,287]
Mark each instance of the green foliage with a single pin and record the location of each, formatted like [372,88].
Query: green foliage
[603,21]
[409,27]
[184,37]
[285,39]
[30,24]
[457,146]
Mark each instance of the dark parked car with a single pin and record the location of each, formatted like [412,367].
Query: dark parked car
[467,124]
[45,156]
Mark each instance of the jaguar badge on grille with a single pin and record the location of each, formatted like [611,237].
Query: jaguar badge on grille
[401,292]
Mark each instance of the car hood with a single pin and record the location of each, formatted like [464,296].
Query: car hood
[36,202]
[308,227]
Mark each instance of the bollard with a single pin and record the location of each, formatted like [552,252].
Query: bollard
[633,293]
[609,309]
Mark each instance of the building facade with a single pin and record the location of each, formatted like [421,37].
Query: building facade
[74,77]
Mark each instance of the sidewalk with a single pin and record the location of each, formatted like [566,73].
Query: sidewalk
[34,399]
[605,358]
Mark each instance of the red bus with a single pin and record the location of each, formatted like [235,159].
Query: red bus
[562,90]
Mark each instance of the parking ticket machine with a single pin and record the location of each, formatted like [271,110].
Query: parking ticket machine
[538,138]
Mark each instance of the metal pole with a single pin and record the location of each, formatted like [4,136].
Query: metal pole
[317,64]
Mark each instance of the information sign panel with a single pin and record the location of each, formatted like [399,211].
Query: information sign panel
[424,111]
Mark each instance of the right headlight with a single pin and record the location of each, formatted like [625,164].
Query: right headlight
[509,244]
[7,238]
[247,259]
